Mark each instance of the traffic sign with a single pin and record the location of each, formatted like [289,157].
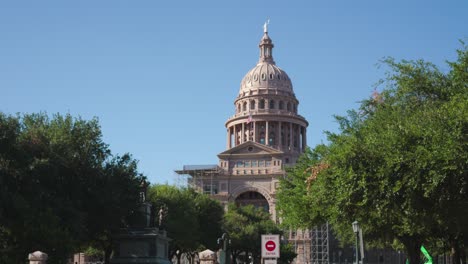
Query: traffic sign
[270,246]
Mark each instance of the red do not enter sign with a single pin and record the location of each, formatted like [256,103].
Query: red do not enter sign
[270,245]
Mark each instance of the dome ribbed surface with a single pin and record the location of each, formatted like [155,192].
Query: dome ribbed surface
[266,76]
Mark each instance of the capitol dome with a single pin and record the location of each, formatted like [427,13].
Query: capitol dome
[266,77]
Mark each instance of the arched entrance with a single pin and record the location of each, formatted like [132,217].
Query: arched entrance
[254,198]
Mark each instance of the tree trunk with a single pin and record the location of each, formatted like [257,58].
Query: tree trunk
[412,247]
[463,256]
[455,251]
[107,254]
[178,257]
[234,255]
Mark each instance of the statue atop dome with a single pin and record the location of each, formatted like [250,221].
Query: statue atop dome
[265,26]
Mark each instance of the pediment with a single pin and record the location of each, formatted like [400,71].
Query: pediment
[250,148]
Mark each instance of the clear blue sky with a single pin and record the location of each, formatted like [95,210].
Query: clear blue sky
[162,76]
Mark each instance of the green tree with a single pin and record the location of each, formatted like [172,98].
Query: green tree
[51,174]
[193,220]
[245,225]
[112,199]
[398,165]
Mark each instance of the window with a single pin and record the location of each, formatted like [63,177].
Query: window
[244,106]
[261,104]
[272,104]
[262,138]
[254,163]
[288,106]
[281,106]
[268,163]
[210,188]
[240,164]
[247,164]
[252,105]
[261,163]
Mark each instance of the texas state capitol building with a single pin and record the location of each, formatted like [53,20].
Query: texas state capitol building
[265,134]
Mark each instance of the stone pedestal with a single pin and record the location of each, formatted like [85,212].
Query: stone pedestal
[142,242]
[207,257]
[141,245]
[38,257]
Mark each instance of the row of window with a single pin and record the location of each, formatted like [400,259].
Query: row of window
[271,103]
[256,163]
[245,172]
[264,77]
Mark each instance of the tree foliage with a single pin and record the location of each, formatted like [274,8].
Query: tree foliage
[398,164]
[245,225]
[193,220]
[60,187]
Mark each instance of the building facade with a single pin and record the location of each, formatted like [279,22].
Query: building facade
[264,135]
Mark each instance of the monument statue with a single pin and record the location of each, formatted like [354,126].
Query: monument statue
[265,26]
[162,214]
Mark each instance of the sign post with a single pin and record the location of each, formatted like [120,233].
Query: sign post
[270,248]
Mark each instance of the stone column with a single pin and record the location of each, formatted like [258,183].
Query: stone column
[267,137]
[255,131]
[37,257]
[235,135]
[304,139]
[280,138]
[243,133]
[290,136]
[228,142]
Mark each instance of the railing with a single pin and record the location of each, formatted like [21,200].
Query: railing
[266,111]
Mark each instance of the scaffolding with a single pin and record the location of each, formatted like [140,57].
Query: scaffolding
[319,244]
[198,177]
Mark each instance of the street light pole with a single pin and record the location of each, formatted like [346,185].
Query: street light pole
[356,231]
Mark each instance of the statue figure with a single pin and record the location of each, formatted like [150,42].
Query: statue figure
[265,26]
[143,189]
[162,214]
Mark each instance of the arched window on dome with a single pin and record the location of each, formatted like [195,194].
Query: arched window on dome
[261,104]
[295,108]
[252,105]
[288,106]
[244,106]
[238,108]
[272,104]
[280,105]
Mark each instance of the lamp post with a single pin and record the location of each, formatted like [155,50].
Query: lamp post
[224,256]
[356,231]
